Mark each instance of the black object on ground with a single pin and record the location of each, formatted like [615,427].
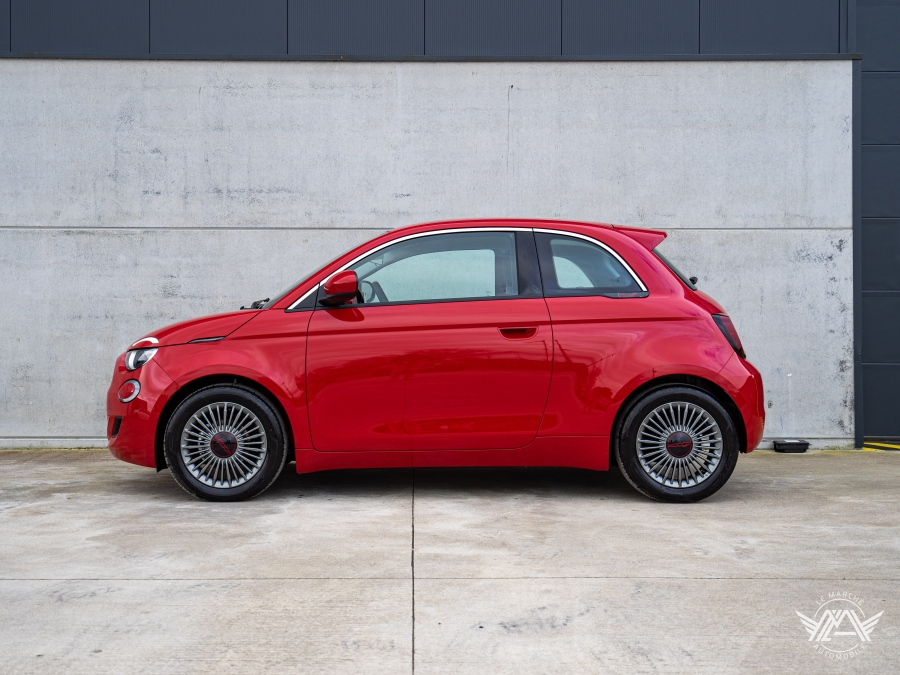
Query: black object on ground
[791,445]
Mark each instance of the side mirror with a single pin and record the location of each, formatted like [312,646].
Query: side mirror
[340,288]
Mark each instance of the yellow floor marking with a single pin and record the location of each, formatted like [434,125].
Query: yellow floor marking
[884,445]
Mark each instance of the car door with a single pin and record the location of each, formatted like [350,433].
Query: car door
[599,315]
[450,347]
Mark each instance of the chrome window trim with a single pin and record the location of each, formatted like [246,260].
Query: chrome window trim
[417,235]
[615,255]
[457,230]
[304,296]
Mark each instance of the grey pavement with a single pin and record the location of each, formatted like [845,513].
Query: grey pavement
[111,568]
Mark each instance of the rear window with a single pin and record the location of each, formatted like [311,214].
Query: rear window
[678,273]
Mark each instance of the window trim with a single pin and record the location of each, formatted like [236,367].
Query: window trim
[606,248]
[295,306]
[417,235]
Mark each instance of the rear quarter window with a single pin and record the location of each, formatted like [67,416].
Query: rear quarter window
[571,266]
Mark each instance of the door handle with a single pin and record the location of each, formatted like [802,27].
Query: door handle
[518,333]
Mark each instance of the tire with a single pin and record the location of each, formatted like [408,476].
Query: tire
[225,443]
[677,444]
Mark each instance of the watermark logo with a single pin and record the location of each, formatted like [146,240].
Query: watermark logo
[840,628]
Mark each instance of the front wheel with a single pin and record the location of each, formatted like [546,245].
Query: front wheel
[225,443]
[677,444]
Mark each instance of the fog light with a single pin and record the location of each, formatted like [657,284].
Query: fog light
[129,391]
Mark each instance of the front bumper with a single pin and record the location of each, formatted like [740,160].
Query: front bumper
[135,438]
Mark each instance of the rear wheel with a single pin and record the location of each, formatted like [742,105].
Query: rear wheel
[225,443]
[677,444]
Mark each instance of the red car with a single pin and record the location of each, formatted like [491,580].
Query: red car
[466,343]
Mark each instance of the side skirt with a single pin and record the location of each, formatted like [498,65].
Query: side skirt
[577,452]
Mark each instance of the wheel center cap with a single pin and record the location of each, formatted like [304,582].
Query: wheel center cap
[679,444]
[223,444]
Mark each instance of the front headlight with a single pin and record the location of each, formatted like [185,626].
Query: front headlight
[138,357]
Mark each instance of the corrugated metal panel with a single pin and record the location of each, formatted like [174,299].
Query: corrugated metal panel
[880,177]
[4,25]
[493,27]
[878,34]
[611,27]
[219,27]
[881,253]
[769,26]
[881,108]
[80,26]
[357,27]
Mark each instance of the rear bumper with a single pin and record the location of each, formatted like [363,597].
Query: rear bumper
[135,440]
[744,384]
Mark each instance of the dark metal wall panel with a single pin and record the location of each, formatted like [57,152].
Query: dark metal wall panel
[881,325]
[880,181]
[844,21]
[878,39]
[856,144]
[493,27]
[220,27]
[769,26]
[878,283]
[881,108]
[4,25]
[878,33]
[880,402]
[881,251]
[630,27]
[356,27]
[79,26]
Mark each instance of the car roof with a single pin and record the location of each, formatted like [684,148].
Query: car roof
[647,237]
[493,222]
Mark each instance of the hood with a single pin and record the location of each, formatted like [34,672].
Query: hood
[203,328]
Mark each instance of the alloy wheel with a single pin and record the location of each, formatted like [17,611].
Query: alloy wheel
[223,445]
[679,444]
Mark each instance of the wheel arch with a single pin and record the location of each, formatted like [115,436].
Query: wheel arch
[195,385]
[701,383]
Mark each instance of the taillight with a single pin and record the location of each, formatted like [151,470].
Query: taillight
[723,321]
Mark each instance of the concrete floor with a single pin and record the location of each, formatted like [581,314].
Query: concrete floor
[110,568]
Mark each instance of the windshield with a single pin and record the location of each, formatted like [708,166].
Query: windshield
[678,273]
[283,293]
[280,296]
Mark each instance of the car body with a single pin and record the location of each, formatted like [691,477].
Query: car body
[499,347]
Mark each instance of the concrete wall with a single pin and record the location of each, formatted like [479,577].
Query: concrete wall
[137,193]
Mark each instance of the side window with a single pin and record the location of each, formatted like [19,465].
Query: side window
[457,266]
[573,266]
